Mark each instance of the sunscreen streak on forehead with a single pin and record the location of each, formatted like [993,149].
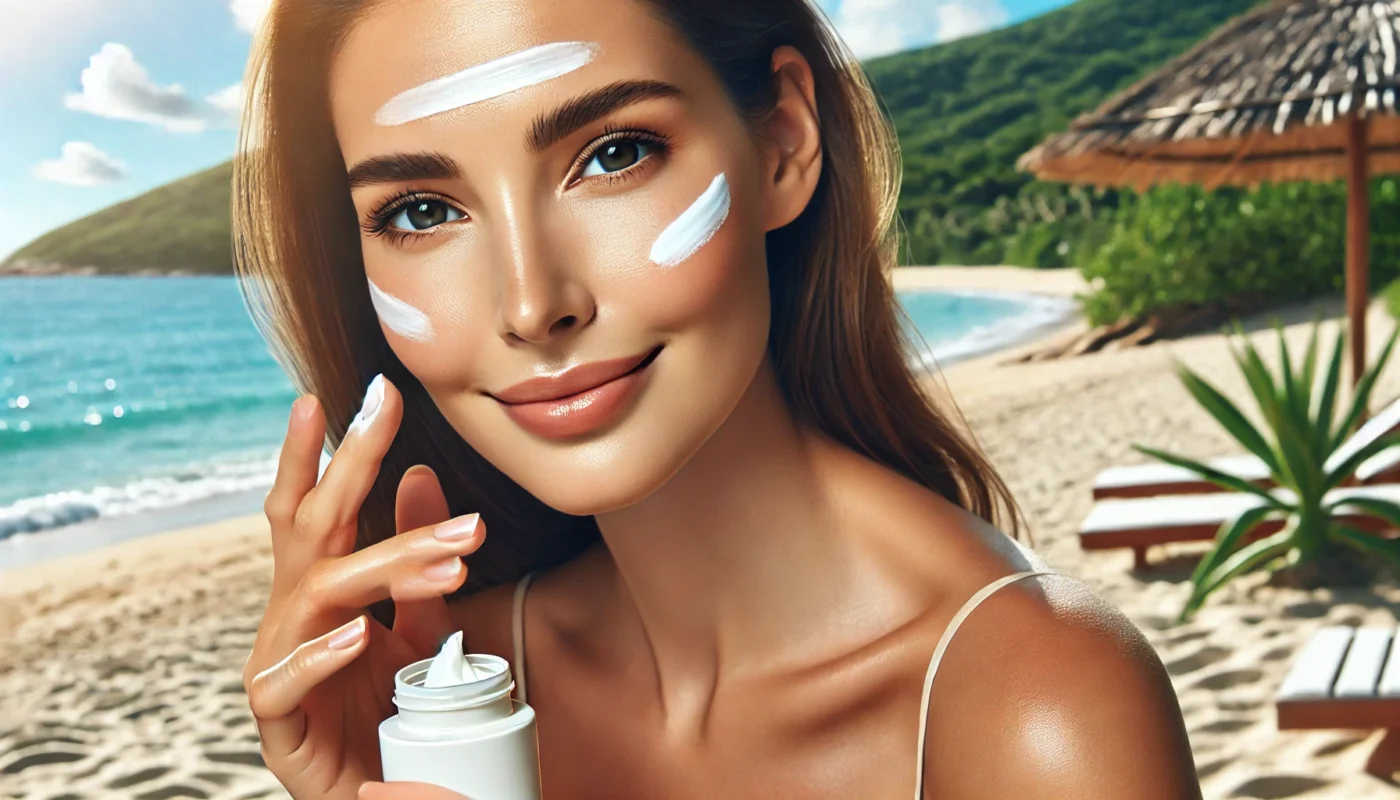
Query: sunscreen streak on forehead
[694,227]
[402,318]
[485,81]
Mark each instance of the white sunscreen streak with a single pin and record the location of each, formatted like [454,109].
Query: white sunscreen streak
[694,227]
[485,81]
[450,666]
[402,318]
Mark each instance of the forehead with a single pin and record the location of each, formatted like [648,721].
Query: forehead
[403,44]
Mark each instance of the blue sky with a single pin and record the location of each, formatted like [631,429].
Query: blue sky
[105,99]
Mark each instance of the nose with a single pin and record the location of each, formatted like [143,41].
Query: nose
[542,299]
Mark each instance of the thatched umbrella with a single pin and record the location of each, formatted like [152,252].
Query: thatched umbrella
[1293,90]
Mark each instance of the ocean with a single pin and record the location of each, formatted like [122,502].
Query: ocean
[124,396]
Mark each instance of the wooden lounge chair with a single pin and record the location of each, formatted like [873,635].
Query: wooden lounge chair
[1347,677]
[1150,480]
[1140,523]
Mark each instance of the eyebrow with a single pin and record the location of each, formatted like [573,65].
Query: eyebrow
[403,167]
[555,125]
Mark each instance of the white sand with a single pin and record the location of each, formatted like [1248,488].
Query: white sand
[130,710]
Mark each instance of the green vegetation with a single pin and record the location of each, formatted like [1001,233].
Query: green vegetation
[180,226]
[1180,247]
[1301,442]
[966,110]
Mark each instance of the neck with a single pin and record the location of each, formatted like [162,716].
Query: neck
[736,554]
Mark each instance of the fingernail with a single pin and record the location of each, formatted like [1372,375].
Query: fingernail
[374,399]
[443,570]
[303,407]
[348,634]
[455,530]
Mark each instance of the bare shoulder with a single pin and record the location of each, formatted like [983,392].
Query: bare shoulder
[1047,691]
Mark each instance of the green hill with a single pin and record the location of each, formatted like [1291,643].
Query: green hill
[181,226]
[964,111]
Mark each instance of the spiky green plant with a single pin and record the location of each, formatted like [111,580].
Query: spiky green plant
[1300,436]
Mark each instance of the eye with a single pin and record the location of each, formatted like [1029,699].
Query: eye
[617,155]
[420,215]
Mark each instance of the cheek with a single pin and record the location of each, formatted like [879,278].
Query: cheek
[708,257]
[432,323]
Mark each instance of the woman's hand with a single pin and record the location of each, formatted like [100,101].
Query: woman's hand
[321,675]
[405,790]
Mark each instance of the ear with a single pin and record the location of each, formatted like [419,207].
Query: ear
[792,141]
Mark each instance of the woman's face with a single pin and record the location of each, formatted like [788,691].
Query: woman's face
[563,225]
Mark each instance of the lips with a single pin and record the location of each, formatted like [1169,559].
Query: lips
[578,400]
[572,381]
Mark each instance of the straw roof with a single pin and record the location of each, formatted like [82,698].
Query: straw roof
[1266,98]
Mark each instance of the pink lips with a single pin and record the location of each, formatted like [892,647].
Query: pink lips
[577,400]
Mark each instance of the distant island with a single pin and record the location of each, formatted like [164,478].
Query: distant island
[964,111]
[181,227]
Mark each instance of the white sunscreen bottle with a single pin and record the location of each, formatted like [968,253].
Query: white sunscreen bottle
[459,728]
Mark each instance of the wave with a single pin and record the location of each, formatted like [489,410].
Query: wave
[195,482]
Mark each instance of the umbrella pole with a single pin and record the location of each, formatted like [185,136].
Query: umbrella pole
[1358,240]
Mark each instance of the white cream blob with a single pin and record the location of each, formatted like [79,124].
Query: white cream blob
[694,227]
[487,80]
[402,318]
[450,666]
[369,410]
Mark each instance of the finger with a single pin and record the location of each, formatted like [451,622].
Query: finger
[420,502]
[406,790]
[326,520]
[297,464]
[413,566]
[275,694]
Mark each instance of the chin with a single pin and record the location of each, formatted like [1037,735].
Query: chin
[589,495]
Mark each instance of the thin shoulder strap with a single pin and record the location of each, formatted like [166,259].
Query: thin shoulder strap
[517,635]
[967,608]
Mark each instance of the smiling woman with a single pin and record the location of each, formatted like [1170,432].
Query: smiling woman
[616,274]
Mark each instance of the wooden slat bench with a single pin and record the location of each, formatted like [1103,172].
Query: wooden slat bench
[1347,677]
[1142,523]
[1153,480]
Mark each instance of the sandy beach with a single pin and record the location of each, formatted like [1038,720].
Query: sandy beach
[120,668]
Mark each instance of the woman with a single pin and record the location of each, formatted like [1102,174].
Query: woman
[615,275]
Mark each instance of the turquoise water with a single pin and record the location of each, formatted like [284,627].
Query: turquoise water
[119,395]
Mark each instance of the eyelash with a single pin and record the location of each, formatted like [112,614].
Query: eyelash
[377,221]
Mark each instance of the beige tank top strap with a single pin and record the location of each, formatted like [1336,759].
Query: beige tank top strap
[517,635]
[967,608]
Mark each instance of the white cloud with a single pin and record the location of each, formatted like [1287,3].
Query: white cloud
[81,164]
[878,27]
[967,17]
[228,104]
[116,86]
[248,13]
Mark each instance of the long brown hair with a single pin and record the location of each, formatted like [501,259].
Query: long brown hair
[839,350]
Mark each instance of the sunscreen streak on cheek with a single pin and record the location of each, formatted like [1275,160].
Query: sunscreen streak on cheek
[486,81]
[402,318]
[694,227]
